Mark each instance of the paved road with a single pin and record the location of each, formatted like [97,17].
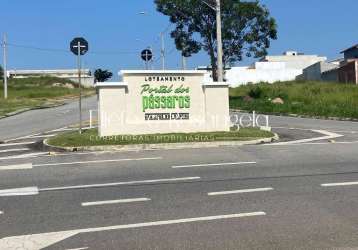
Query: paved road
[37,121]
[301,193]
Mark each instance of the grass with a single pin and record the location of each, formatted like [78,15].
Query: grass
[91,138]
[303,98]
[36,92]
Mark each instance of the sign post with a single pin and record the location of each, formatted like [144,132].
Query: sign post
[146,56]
[79,47]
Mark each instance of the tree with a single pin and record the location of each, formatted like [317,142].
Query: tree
[102,75]
[247,28]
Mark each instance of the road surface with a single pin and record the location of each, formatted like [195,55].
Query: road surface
[300,193]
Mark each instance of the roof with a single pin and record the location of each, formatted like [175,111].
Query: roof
[353,47]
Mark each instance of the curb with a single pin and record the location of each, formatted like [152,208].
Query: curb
[302,116]
[162,146]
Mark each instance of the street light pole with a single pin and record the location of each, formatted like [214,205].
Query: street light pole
[162,51]
[220,68]
[5,66]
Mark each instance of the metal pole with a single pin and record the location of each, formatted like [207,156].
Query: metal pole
[5,66]
[79,83]
[183,62]
[162,51]
[219,42]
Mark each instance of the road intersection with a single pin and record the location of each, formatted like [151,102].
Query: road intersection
[300,193]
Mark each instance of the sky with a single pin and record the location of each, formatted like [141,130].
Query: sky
[117,32]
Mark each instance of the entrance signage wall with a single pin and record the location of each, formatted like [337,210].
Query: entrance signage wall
[149,102]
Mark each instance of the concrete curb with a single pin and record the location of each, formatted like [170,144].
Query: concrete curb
[302,116]
[162,146]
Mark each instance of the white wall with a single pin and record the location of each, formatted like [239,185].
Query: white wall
[263,72]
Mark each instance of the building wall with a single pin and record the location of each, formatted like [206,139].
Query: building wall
[315,71]
[348,73]
[269,72]
[351,54]
[296,61]
[330,76]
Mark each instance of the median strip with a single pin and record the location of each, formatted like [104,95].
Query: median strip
[215,164]
[98,203]
[241,191]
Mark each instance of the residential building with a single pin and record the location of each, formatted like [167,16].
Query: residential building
[71,74]
[348,71]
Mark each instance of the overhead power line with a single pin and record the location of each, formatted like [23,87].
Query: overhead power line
[67,51]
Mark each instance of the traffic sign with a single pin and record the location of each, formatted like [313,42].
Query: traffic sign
[79,41]
[146,55]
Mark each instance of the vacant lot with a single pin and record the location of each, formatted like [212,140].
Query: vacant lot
[303,98]
[37,93]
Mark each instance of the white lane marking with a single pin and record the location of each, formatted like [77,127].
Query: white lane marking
[241,191]
[17,144]
[81,248]
[14,150]
[215,164]
[92,162]
[339,184]
[42,136]
[120,183]
[17,167]
[40,241]
[1,212]
[23,156]
[98,203]
[327,136]
[19,191]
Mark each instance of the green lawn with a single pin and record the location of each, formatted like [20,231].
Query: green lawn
[91,138]
[36,92]
[303,98]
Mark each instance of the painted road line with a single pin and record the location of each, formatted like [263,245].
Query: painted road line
[98,203]
[35,190]
[81,248]
[44,240]
[242,191]
[120,184]
[327,136]
[92,162]
[17,167]
[23,156]
[17,144]
[339,184]
[1,212]
[215,164]
[19,192]
[14,150]
[42,136]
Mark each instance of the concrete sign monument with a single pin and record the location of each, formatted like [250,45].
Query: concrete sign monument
[150,102]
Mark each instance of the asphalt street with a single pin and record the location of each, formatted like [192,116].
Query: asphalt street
[42,120]
[298,193]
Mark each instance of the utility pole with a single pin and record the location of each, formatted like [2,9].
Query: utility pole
[162,51]
[79,82]
[5,65]
[219,41]
[183,62]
